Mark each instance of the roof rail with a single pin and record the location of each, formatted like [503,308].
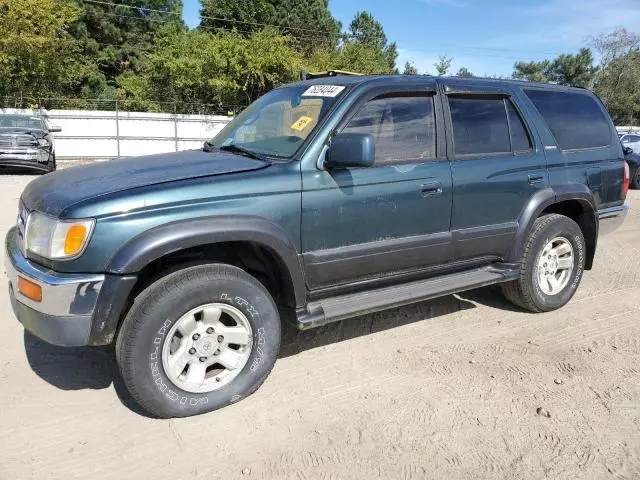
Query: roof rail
[329,73]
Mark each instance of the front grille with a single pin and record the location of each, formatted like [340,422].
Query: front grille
[12,140]
[23,214]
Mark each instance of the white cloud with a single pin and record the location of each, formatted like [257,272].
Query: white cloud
[559,25]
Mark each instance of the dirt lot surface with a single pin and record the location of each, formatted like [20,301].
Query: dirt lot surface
[464,387]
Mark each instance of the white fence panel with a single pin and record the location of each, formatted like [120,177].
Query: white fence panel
[95,134]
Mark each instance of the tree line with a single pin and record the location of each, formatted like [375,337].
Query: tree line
[141,53]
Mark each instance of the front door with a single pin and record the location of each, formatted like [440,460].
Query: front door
[497,166]
[364,223]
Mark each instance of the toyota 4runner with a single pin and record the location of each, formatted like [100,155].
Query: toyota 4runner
[323,200]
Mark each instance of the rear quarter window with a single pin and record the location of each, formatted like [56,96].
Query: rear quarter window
[575,119]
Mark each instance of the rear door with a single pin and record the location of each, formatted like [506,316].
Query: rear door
[497,165]
[366,223]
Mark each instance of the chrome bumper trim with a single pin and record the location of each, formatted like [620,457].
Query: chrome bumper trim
[611,218]
[62,294]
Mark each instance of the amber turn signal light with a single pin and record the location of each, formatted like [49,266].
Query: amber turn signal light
[74,239]
[29,289]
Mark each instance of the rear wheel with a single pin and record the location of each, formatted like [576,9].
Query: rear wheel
[197,340]
[635,182]
[552,265]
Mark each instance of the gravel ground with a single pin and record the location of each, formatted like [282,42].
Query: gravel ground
[464,387]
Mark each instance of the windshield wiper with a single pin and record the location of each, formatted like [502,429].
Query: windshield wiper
[243,151]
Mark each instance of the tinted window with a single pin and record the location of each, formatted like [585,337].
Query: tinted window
[479,125]
[632,138]
[520,140]
[575,119]
[403,127]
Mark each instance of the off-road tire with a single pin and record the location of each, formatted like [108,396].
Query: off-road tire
[159,306]
[635,181]
[525,292]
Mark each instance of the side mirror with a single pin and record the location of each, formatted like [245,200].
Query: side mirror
[627,150]
[54,129]
[207,146]
[351,150]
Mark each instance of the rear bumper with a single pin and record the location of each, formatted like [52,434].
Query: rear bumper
[611,218]
[75,310]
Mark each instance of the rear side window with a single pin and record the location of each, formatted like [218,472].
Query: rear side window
[479,125]
[575,119]
[483,126]
[403,128]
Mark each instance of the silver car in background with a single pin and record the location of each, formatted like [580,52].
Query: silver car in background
[26,143]
[631,140]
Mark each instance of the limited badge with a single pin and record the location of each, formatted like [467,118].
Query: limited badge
[323,91]
[301,124]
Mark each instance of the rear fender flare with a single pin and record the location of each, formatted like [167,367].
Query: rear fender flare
[539,202]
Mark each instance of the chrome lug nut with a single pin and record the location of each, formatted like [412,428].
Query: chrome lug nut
[220,339]
[203,359]
[216,353]
[210,330]
[192,351]
[196,336]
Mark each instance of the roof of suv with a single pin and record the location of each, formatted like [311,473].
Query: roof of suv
[412,79]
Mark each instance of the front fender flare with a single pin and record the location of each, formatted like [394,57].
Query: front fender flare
[182,234]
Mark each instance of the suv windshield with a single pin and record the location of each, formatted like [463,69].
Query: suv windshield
[21,121]
[279,122]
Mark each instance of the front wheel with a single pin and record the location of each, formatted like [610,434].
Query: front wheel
[197,340]
[552,265]
[51,164]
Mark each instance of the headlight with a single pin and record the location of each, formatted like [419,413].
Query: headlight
[56,239]
[43,142]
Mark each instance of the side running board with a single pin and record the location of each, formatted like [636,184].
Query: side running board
[339,308]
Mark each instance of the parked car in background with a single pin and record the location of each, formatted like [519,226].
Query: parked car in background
[633,160]
[631,140]
[323,200]
[26,142]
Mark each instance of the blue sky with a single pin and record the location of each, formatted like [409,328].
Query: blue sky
[486,36]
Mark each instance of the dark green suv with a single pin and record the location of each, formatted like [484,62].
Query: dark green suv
[323,200]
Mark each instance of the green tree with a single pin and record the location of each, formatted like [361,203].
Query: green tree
[309,21]
[465,73]
[617,81]
[443,65]
[224,70]
[577,70]
[116,39]
[532,71]
[38,57]
[410,69]
[366,31]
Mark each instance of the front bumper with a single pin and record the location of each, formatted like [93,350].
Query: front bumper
[610,219]
[64,316]
[34,159]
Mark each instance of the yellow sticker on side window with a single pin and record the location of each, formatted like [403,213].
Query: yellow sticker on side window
[301,124]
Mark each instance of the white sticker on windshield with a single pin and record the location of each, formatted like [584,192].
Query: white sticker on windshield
[323,91]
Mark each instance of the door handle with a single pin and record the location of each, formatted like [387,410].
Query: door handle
[535,179]
[430,189]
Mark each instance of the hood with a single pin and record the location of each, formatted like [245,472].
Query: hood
[36,132]
[54,192]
